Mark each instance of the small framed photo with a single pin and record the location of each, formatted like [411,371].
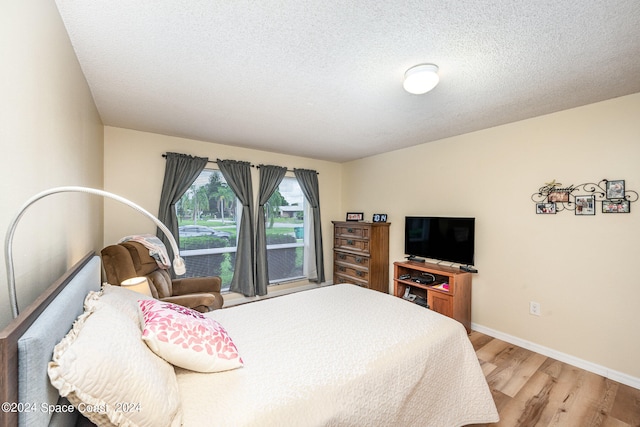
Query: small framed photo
[558,196]
[586,205]
[355,216]
[616,206]
[615,189]
[379,217]
[545,208]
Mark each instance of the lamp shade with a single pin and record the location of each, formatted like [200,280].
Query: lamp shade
[421,78]
[138,284]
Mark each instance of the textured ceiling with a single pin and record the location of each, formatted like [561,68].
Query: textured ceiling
[323,78]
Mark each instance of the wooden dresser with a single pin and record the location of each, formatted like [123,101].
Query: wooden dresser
[361,254]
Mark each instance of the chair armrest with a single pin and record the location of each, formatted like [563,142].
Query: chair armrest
[202,302]
[191,285]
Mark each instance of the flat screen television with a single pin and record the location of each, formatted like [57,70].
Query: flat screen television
[440,238]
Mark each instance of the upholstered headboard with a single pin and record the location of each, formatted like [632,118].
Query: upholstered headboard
[26,346]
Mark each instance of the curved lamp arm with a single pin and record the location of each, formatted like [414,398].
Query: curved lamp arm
[178,262]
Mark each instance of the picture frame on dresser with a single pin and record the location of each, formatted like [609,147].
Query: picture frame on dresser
[355,216]
[379,218]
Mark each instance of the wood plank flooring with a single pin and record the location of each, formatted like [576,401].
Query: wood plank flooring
[534,390]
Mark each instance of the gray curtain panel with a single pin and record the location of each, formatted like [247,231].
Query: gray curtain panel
[180,172]
[270,178]
[308,180]
[238,176]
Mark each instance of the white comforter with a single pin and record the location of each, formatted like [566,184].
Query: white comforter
[340,356]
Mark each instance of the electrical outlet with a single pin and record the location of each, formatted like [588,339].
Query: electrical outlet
[534,308]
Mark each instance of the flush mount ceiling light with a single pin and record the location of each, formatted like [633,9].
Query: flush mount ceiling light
[421,78]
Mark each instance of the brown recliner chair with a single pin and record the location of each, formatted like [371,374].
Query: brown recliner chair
[131,259]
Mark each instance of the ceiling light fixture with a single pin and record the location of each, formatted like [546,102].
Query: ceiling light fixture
[421,78]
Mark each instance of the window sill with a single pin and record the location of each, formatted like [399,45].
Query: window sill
[234,298]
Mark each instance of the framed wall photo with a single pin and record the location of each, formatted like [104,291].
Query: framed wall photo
[616,206]
[355,216]
[379,217]
[545,208]
[558,196]
[615,189]
[586,205]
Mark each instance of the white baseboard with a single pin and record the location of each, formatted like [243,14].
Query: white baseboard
[562,357]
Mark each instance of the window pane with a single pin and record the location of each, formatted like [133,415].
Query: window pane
[207,226]
[208,217]
[285,231]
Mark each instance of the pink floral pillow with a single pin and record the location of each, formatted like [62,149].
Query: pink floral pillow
[186,338]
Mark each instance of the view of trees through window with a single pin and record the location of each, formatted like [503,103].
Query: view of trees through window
[208,229]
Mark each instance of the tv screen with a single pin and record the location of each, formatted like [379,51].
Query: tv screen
[440,238]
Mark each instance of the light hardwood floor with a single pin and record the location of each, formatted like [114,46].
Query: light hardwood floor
[534,390]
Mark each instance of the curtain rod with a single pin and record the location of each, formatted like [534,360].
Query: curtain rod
[209,161]
[253,166]
[288,170]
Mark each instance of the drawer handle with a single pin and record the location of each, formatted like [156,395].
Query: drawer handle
[359,273]
[359,260]
[349,230]
[350,242]
[342,256]
[341,268]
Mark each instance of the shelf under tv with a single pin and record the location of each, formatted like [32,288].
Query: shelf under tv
[454,302]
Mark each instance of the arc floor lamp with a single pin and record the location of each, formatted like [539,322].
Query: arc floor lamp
[178,262]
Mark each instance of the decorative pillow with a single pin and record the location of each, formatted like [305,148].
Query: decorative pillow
[107,372]
[118,297]
[186,338]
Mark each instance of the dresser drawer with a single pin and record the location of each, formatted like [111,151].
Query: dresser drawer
[358,231]
[351,258]
[352,271]
[355,245]
[341,278]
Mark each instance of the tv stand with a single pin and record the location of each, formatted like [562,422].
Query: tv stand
[449,294]
[412,258]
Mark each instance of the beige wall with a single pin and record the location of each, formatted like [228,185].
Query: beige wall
[51,135]
[581,269]
[134,168]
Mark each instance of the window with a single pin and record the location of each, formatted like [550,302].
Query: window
[208,217]
[285,225]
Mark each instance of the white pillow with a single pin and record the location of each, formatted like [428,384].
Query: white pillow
[186,338]
[119,297]
[107,372]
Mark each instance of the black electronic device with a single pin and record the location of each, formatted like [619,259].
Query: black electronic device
[424,279]
[441,238]
[422,302]
[468,269]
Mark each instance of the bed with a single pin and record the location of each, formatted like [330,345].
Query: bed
[337,355]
